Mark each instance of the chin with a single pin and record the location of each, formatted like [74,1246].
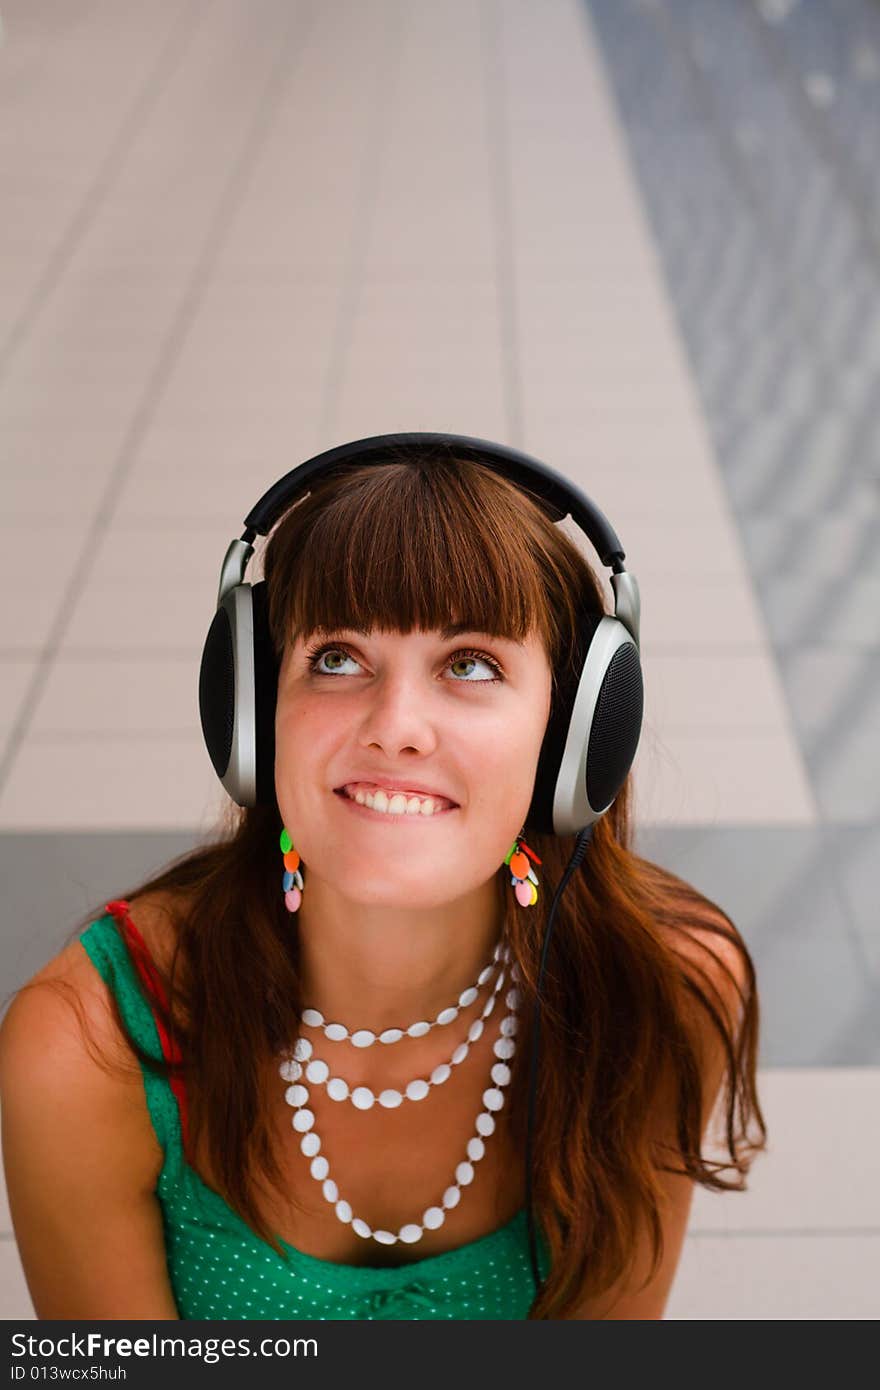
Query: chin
[430,890]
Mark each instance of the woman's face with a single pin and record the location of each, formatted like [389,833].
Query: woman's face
[416,713]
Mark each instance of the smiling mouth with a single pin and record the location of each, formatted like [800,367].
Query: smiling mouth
[408,806]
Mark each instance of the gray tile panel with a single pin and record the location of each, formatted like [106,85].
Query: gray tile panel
[753,130]
[834,695]
[854,852]
[50,882]
[816,964]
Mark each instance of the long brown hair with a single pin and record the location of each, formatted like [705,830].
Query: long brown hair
[406,545]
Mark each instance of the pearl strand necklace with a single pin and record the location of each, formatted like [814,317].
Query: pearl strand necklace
[433,1217]
[365,1037]
[317,1071]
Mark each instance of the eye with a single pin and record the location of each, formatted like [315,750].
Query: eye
[483,657]
[315,655]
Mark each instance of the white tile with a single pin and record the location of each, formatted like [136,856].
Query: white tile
[15,1300]
[735,777]
[397,344]
[190,486]
[634,460]
[101,782]
[416,237]
[145,695]
[683,551]
[31,498]
[806,1278]
[47,448]
[570,332]
[195,447]
[254,347]
[150,587]
[130,616]
[705,612]
[39,566]
[819,1171]
[15,677]
[695,692]
[418,400]
[360,413]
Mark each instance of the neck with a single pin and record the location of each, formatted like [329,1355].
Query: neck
[373,966]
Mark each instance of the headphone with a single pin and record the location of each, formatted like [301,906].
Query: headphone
[595,718]
[596,712]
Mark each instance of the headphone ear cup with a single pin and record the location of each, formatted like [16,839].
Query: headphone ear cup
[266,696]
[217,692]
[616,726]
[601,691]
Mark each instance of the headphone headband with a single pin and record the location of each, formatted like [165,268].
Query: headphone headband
[560,496]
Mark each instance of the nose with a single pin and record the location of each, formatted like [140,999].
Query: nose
[396,718]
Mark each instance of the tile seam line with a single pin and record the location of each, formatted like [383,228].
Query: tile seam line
[170,57]
[281,73]
[492,43]
[363,219]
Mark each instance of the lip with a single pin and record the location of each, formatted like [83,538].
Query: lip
[397,784]
[387,815]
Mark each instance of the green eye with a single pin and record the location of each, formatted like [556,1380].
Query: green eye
[328,653]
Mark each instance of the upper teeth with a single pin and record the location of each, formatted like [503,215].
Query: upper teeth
[398,803]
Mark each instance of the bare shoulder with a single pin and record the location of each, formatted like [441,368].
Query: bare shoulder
[62,1049]
[81,1156]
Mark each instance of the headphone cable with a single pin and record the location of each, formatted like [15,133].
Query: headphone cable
[576,859]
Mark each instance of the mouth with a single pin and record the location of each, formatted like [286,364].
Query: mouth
[409,807]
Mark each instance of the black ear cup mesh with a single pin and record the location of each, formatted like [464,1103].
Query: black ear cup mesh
[265,695]
[617,723]
[217,692]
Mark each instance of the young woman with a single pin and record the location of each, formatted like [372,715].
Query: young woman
[288,1076]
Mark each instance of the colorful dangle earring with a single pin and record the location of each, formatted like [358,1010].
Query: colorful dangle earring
[292,882]
[524,880]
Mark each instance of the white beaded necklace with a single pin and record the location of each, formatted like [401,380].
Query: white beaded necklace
[303,1121]
[365,1037]
[317,1071]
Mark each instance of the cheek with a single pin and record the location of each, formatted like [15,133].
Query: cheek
[301,742]
[299,720]
[501,772]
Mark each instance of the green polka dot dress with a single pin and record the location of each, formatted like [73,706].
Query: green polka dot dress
[219,1268]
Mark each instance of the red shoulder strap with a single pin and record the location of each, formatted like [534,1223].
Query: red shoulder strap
[155,991]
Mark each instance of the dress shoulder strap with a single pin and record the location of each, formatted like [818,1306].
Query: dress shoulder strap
[120,955]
